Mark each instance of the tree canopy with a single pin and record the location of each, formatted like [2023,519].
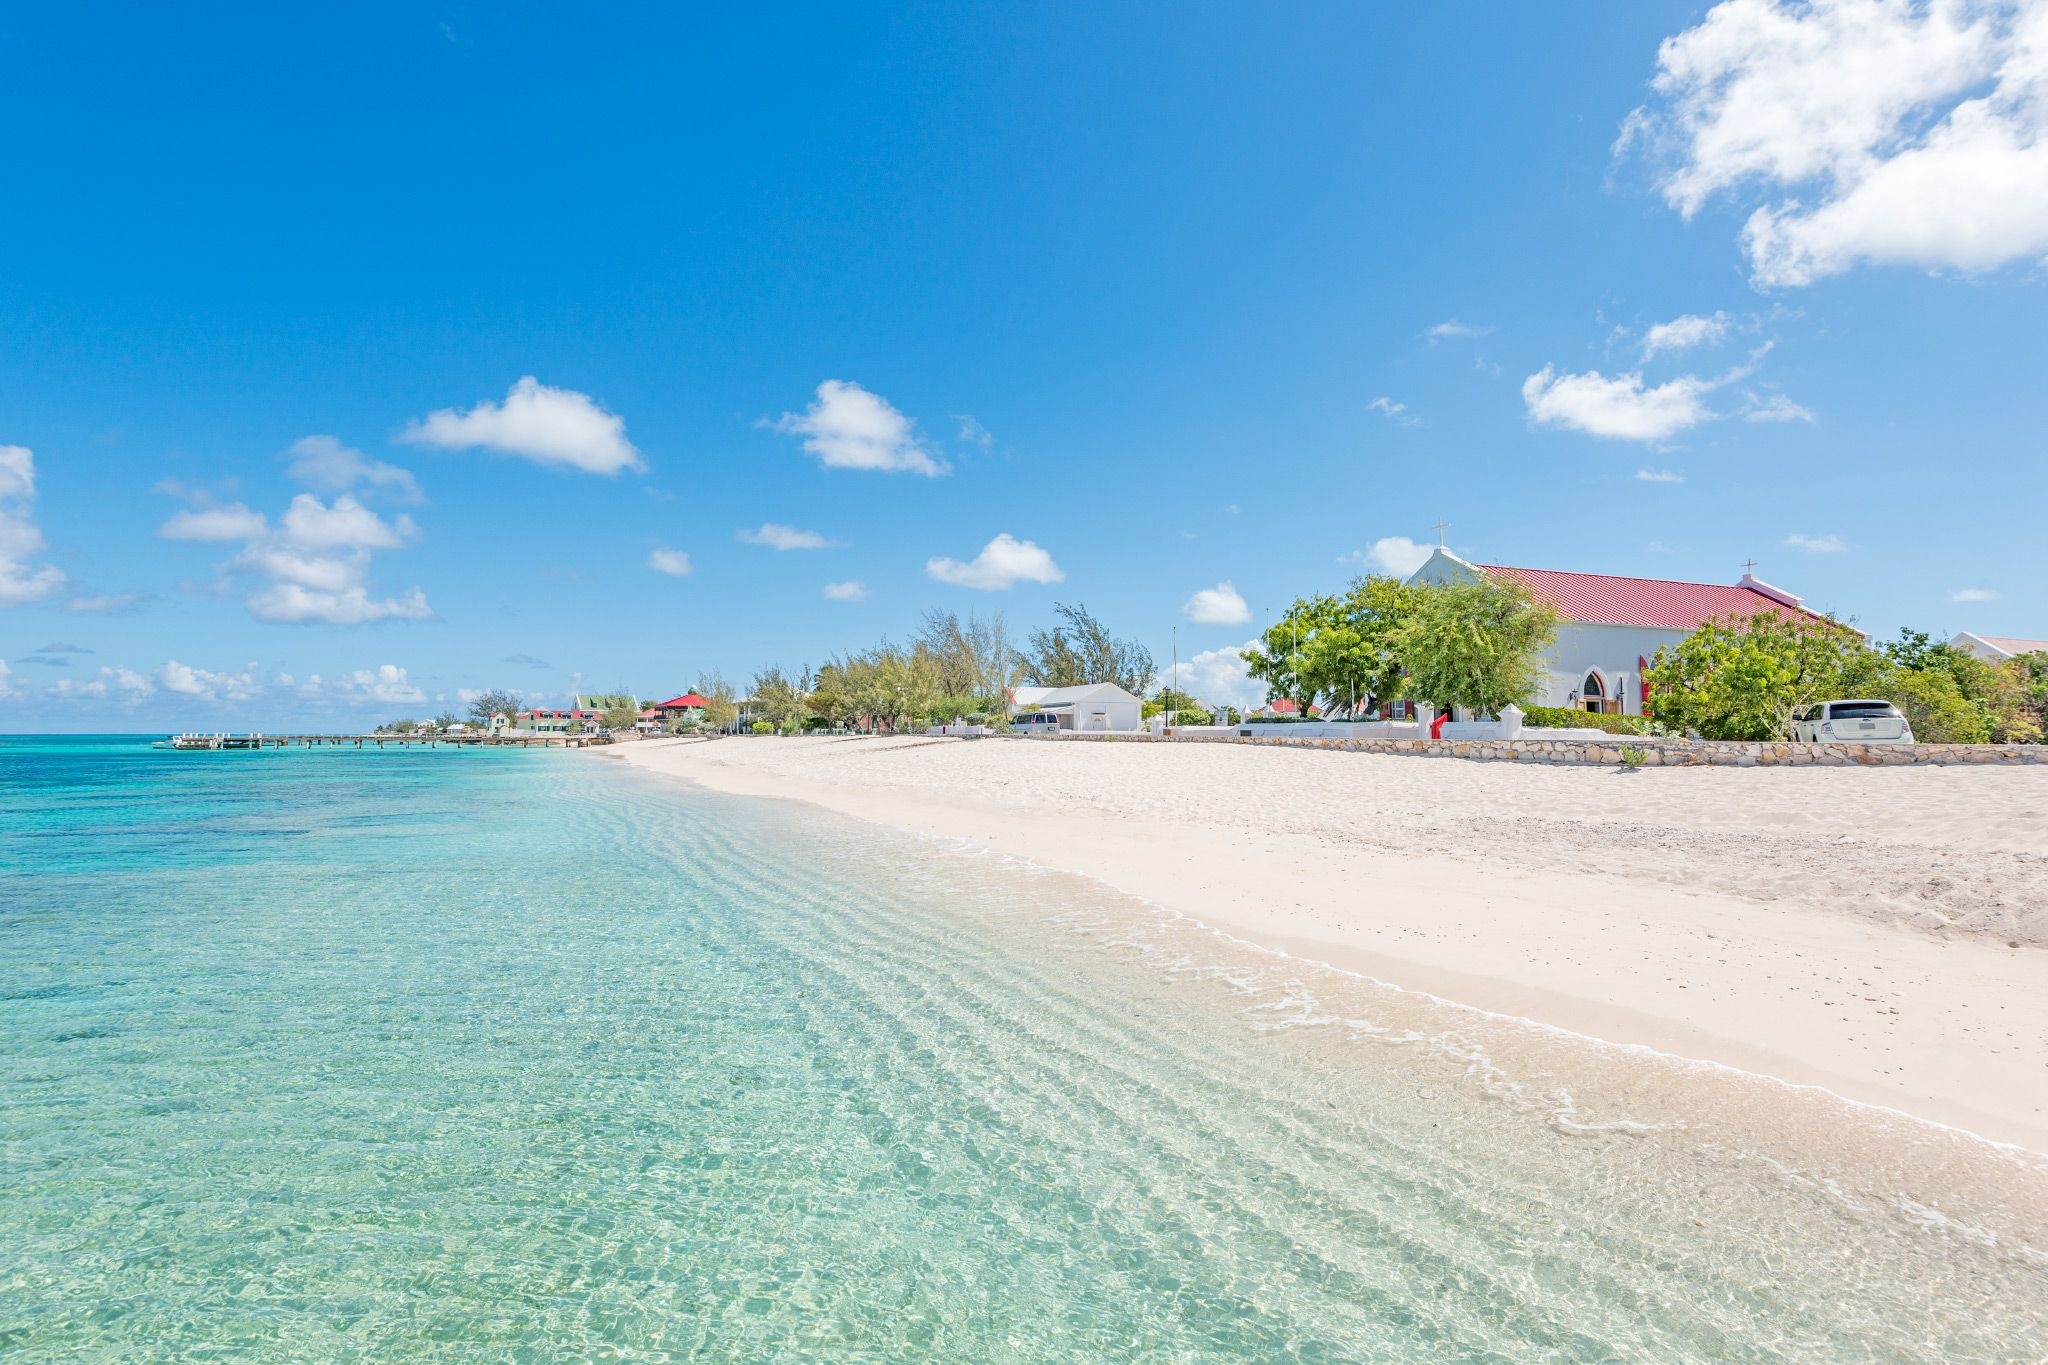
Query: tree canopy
[1340,650]
[1742,678]
[487,704]
[1080,650]
[1474,643]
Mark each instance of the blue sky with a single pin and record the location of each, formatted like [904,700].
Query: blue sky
[404,350]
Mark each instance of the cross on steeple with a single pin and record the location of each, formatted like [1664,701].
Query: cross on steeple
[1749,568]
[1441,527]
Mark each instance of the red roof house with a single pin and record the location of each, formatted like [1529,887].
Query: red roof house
[689,701]
[1598,599]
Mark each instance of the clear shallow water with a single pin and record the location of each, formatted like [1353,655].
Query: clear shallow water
[493,1055]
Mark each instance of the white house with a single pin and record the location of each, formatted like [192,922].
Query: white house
[1610,627]
[1996,649]
[1098,706]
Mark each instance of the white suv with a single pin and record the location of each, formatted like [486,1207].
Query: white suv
[1851,722]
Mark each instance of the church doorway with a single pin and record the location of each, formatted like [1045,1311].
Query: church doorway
[1593,695]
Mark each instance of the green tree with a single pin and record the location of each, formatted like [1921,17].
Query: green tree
[1474,643]
[1285,656]
[1168,700]
[2006,696]
[446,719]
[1742,678]
[496,701]
[1080,650]
[1343,651]
[1935,706]
[721,705]
[973,657]
[782,699]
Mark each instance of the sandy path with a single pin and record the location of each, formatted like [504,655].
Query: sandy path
[1880,932]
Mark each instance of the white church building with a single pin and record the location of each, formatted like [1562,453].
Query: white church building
[1610,627]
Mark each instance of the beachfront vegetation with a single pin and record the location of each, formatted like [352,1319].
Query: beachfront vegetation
[721,702]
[1476,644]
[1080,650]
[1473,644]
[487,704]
[1735,679]
[1572,718]
[955,668]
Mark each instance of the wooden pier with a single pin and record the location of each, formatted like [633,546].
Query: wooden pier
[480,741]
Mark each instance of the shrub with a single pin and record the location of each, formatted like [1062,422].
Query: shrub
[1565,718]
[1742,678]
[1935,707]
[762,727]
[1192,718]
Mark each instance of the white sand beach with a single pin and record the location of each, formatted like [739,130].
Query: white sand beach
[1882,933]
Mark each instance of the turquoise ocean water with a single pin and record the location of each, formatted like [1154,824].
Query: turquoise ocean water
[480,1055]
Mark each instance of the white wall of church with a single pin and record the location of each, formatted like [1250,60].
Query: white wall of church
[1611,650]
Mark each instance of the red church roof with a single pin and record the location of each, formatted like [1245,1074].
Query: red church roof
[688,699]
[1608,600]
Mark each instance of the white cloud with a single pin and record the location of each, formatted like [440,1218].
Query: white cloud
[1820,545]
[1974,595]
[17,472]
[188,681]
[850,428]
[1398,555]
[232,522]
[324,462]
[1874,131]
[1003,563]
[295,604]
[1684,332]
[549,426]
[1218,677]
[124,683]
[344,524]
[385,684]
[674,563]
[1455,328]
[316,561]
[1618,407]
[21,540]
[1660,476]
[1221,605]
[6,681]
[1776,408]
[852,590]
[1397,412]
[775,536]
[974,433]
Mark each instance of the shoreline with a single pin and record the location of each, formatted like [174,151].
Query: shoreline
[1938,1028]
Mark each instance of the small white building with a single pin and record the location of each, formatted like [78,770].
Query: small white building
[1095,707]
[1610,627]
[1996,649]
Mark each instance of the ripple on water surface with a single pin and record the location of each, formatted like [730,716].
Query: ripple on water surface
[443,1055]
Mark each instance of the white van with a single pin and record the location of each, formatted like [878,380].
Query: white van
[1850,722]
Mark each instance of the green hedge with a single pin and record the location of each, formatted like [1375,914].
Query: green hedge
[1565,718]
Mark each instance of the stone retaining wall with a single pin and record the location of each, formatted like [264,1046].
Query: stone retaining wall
[1656,753]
